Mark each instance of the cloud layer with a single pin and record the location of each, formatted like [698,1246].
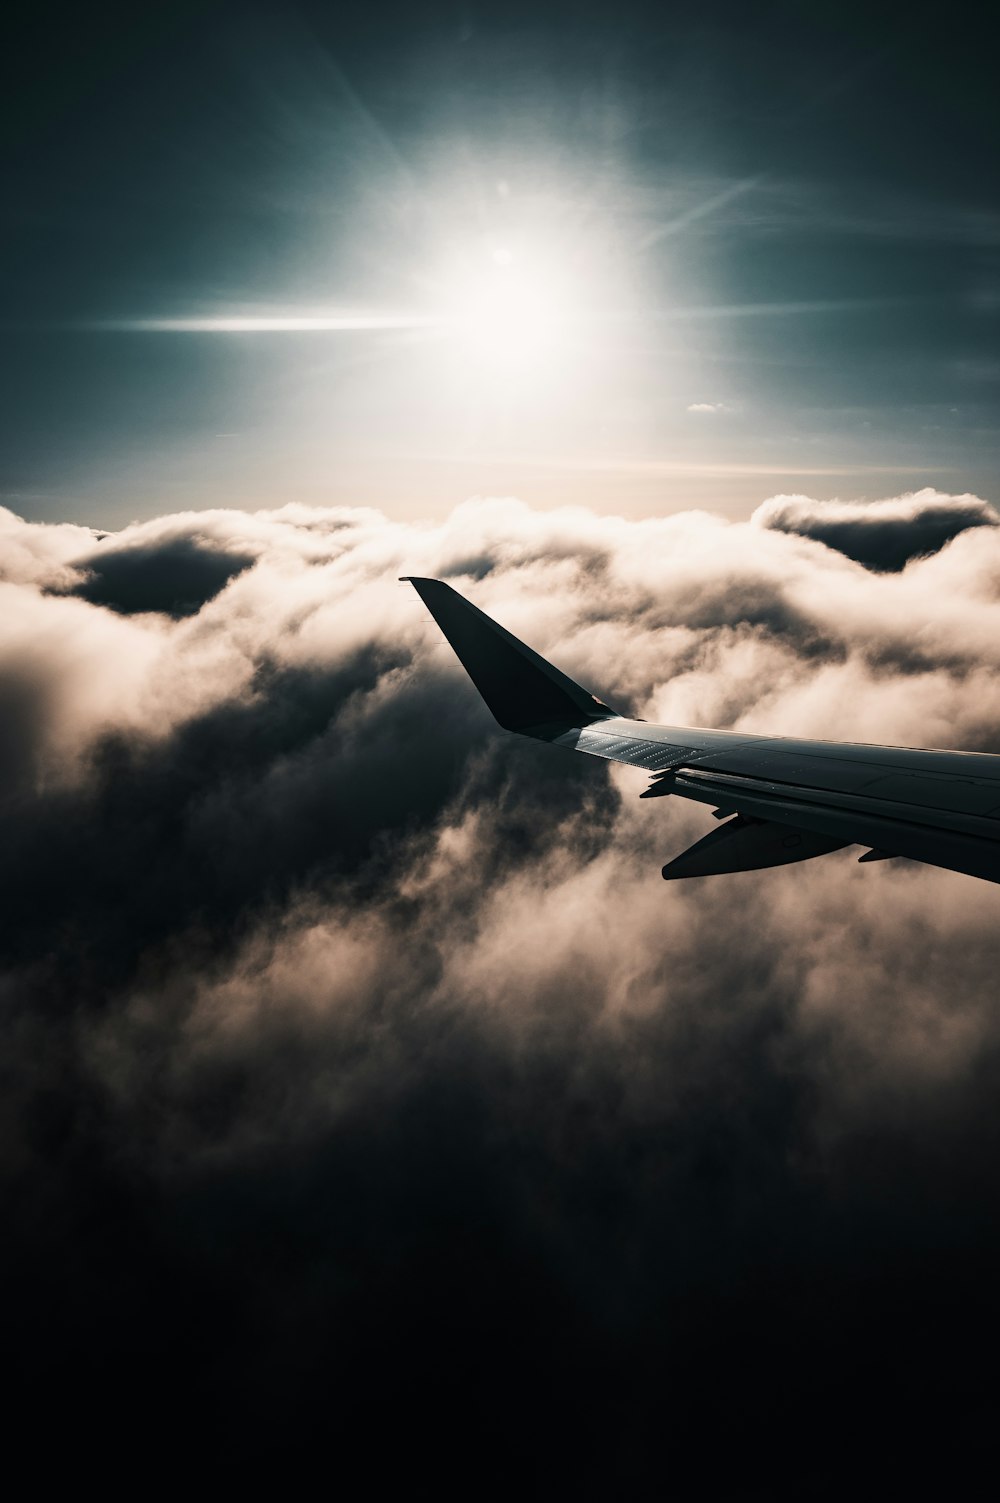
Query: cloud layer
[362,1076]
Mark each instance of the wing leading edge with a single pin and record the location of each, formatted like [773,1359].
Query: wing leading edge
[783,799]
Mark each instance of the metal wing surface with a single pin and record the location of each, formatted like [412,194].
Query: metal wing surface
[783,799]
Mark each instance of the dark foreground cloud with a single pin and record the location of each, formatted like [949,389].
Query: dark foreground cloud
[882,535]
[370,1103]
[174,576]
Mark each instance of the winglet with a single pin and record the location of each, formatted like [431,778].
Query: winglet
[520,687]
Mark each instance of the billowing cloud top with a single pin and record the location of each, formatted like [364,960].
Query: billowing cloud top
[883,535]
[360,1065]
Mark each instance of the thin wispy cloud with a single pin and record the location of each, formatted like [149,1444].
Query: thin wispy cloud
[271,323]
[679,469]
[701,209]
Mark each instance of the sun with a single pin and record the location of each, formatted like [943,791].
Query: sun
[508,311]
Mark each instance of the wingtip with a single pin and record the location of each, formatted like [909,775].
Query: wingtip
[520,687]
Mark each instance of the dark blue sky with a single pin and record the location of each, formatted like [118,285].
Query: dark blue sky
[753,249]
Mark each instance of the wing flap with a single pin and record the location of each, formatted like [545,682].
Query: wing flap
[746,845]
[891,828]
[708,786]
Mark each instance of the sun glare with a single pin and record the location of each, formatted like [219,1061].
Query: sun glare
[497,312]
[508,310]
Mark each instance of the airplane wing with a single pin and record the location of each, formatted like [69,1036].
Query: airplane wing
[782,799]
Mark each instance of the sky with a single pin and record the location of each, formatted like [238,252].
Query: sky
[371,1110]
[639,257]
